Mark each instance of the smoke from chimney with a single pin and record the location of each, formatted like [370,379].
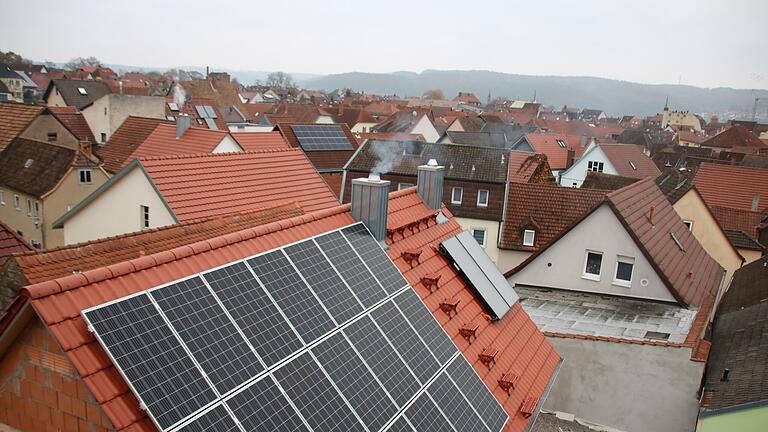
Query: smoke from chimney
[387,154]
[179,96]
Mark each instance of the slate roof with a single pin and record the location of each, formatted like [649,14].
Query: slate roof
[75,122]
[522,348]
[606,182]
[15,118]
[479,139]
[126,140]
[461,162]
[742,240]
[675,183]
[68,89]
[754,161]
[11,242]
[740,343]
[732,186]
[361,137]
[251,141]
[737,138]
[49,163]
[323,160]
[547,209]
[163,142]
[624,156]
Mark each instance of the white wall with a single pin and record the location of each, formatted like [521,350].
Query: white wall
[491,234]
[250,128]
[426,129]
[116,210]
[325,119]
[575,175]
[562,265]
[228,145]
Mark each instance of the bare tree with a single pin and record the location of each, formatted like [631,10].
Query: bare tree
[279,79]
[12,57]
[436,94]
[78,62]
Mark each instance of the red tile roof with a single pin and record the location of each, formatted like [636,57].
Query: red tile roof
[630,161]
[206,185]
[523,350]
[163,142]
[546,143]
[251,141]
[126,140]
[75,122]
[546,209]
[15,118]
[190,108]
[11,242]
[525,167]
[732,186]
[361,137]
[469,98]
[736,219]
[737,138]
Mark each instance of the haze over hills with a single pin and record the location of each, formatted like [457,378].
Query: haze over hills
[613,96]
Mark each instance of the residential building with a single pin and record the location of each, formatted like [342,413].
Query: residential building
[411,122]
[250,141]
[357,119]
[736,187]
[592,115]
[39,182]
[10,243]
[36,122]
[507,370]
[13,83]
[76,93]
[736,139]
[680,118]
[467,99]
[561,150]
[627,311]
[158,191]
[735,388]
[127,138]
[107,113]
[168,139]
[626,160]
[744,229]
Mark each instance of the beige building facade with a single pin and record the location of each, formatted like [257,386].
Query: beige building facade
[107,113]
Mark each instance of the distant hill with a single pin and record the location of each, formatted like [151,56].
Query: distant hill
[613,96]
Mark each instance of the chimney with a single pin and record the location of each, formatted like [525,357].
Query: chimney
[370,200]
[429,184]
[571,156]
[756,202]
[341,109]
[86,148]
[183,122]
[583,140]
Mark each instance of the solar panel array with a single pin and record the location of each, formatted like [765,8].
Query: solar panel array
[317,137]
[320,335]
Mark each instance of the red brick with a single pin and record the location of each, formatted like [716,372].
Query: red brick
[36,392]
[70,423]
[70,386]
[78,409]
[82,392]
[93,413]
[65,403]
[50,398]
[83,425]
[43,413]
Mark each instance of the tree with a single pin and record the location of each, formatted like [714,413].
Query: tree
[435,94]
[280,80]
[13,58]
[78,62]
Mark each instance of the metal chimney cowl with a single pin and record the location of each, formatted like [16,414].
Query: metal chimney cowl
[183,122]
[429,184]
[370,202]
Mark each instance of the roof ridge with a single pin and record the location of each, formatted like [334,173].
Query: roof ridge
[203,155]
[613,194]
[66,283]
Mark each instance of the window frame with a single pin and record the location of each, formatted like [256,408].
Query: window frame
[453,195]
[36,209]
[600,166]
[688,224]
[624,260]
[487,197]
[81,172]
[103,137]
[533,237]
[16,202]
[404,185]
[29,207]
[485,236]
[144,221]
[52,136]
[591,276]
[2,197]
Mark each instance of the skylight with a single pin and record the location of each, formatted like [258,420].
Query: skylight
[632,164]
[28,163]
[561,143]
[82,91]
[677,241]
[173,106]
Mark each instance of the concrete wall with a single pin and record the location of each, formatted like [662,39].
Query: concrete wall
[42,125]
[116,210]
[636,388]
[575,175]
[690,207]
[509,259]
[67,195]
[55,99]
[562,265]
[746,420]
[107,113]
[19,220]
[228,145]
[491,234]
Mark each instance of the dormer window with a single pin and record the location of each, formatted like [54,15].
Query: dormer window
[529,237]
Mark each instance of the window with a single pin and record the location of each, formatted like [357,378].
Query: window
[37,209]
[632,164]
[144,216]
[529,237]
[561,143]
[479,235]
[688,224]
[2,197]
[592,265]
[595,166]
[29,207]
[677,242]
[624,267]
[401,186]
[28,163]
[85,176]
[16,202]
[82,91]
[482,198]
[457,194]
[103,137]
[52,137]
[105,110]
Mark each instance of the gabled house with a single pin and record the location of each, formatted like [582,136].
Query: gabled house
[203,112]
[107,113]
[735,388]
[158,191]
[10,243]
[736,139]
[467,98]
[357,119]
[13,83]
[169,139]
[36,122]
[407,345]
[734,187]
[592,115]
[627,311]
[250,141]
[127,138]
[561,150]
[39,182]
[745,229]
[411,122]
[76,93]
[626,160]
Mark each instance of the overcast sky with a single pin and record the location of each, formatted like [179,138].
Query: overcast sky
[703,43]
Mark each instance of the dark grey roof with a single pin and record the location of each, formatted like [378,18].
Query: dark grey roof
[675,183]
[754,161]
[740,342]
[7,72]
[69,90]
[742,240]
[461,162]
[480,139]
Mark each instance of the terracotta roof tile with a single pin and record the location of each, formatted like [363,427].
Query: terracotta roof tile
[547,143]
[163,142]
[737,138]
[15,118]
[735,219]
[630,161]
[126,140]
[190,108]
[75,122]
[11,242]
[732,186]
[251,141]
[527,167]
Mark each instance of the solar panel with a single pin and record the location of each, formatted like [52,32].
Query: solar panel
[426,417]
[211,124]
[379,263]
[262,407]
[292,295]
[318,137]
[217,419]
[314,396]
[351,268]
[201,111]
[400,425]
[253,311]
[477,393]
[406,341]
[324,280]
[355,381]
[383,360]
[145,349]
[422,320]
[210,335]
[451,401]
[209,111]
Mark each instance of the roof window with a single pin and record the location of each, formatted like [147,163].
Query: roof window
[29,163]
[82,91]
[677,241]
[632,164]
